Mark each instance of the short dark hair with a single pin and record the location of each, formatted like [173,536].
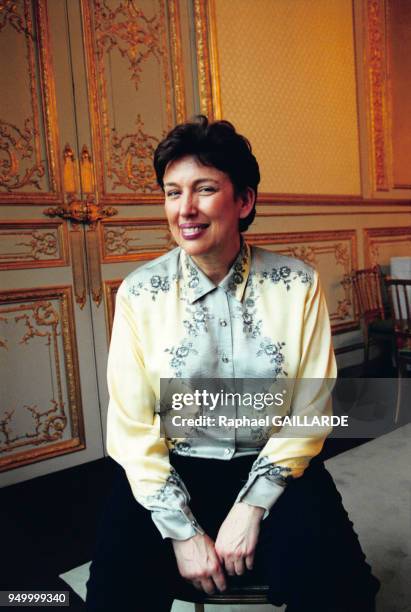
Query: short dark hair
[214,144]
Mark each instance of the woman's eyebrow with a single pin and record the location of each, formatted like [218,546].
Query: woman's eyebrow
[199,180]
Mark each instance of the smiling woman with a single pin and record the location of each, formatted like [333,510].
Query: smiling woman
[203,213]
[216,308]
[210,191]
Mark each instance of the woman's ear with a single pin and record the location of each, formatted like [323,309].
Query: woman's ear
[247,199]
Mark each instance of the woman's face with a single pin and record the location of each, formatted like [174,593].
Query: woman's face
[202,210]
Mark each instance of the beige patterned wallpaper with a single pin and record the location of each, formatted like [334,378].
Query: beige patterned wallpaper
[287,74]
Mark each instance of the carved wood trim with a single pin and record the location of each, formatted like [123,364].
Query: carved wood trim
[36,239]
[53,422]
[347,259]
[374,236]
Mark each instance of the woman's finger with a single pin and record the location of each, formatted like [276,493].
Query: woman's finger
[239,566]
[197,584]
[208,586]
[249,561]
[229,566]
[219,580]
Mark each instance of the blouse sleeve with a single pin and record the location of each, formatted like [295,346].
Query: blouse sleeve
[283,458]
[133,431]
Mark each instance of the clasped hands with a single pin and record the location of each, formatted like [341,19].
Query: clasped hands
[202,561]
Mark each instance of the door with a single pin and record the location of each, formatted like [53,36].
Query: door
[88,90]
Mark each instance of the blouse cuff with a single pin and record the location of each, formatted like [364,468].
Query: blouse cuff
[176,524]
[263,493]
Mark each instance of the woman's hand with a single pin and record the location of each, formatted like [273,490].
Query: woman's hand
[198,562]
[237,538]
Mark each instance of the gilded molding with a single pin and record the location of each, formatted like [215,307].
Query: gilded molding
[18,144]
[203,59]
[43,319]
[214,62]
[86,171]
[110,292]
[70,171]
[49,95]
[94,264]
[377,77]
[121,239]
[9,15]
[165,64]
[207,58]
[374,238]
[77,258]
[131,160]
[33,244]
[137,38]
[332,244]
[177,60]
[127,29]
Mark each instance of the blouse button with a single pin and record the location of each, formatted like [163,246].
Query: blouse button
[227,452]
[225,359]
[223,323]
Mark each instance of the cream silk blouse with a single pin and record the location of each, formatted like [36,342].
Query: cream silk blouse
[266,319]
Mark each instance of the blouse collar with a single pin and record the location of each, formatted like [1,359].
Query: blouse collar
[198,284]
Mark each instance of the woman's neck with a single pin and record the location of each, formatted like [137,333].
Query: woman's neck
[216,267]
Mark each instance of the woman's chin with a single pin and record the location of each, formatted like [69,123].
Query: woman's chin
[194,247]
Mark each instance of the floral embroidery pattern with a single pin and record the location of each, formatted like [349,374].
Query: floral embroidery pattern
[279,474]
[198,320]
[251,325]
[305,277]
[173,490]
[239,268]
[259,434]
[273,351]
[284,275]
[181,448]
[194,278]
[179,355]
[155,285]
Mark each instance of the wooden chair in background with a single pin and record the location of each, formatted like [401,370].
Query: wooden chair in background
[399,291]
[377,328]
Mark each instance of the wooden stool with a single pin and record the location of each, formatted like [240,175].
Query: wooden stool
[248,594]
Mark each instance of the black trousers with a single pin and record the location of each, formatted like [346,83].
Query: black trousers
[308,552]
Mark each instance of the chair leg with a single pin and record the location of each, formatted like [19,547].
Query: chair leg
[198,607]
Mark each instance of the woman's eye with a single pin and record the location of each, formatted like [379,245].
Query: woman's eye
[207,189]
[172,194]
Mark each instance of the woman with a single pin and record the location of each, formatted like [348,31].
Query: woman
[260,502]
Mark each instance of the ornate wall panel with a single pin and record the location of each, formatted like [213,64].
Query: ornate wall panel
[399,61]
[136,85]
[41,411]
[33,244]
[110,292]
[375,54]
[133,239]
[387,24]
[207,59]
[382,243]
[28,130]
[334,255]
[287,78]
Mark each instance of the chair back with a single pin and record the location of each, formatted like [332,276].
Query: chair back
[399,290]
[367,293]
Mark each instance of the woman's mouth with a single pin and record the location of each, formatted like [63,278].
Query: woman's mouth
[191,232]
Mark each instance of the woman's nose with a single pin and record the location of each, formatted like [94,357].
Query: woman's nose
[188,204]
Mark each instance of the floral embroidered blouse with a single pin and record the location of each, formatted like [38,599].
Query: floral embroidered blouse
[266,319]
